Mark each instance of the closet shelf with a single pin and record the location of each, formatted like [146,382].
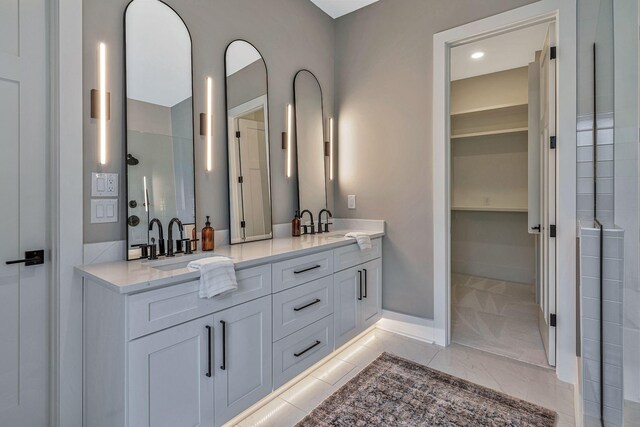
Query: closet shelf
[490,108]
[488,209]
[489,132]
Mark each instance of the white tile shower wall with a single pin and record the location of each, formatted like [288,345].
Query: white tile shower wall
[605,167]
[613,248]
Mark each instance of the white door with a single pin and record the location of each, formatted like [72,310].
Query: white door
[254,175]
[171,377]
[346,306]
[24,289]
[243,354]
[371,292]
[547,247]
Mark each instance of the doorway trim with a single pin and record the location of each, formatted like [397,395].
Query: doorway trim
[563,12]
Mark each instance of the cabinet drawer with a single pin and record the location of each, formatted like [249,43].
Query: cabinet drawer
[298,307]
[349,256]
[300,350]
[155,310]
[294,272]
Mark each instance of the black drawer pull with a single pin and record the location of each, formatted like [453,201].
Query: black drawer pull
[365,282]
[224,345]
[317,300]
[307,269]
[360,285]
[208,350]
[317,343]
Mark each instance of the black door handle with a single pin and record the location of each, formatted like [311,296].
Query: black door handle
[307,269]
[536,228]
[317,343]
[317,300]
[224,345]
[30,258]
[360,285]
[208,350]
[365,282]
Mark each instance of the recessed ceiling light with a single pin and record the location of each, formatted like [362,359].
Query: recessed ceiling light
[477,55]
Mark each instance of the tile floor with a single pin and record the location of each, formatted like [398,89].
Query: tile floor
[522,380]
[496,316]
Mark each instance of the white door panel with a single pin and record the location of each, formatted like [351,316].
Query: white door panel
[24,290]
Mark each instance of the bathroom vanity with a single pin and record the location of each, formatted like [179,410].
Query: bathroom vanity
[158,355]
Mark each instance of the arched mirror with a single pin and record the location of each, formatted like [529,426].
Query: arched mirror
[248,143]
[310,146]
[159,139]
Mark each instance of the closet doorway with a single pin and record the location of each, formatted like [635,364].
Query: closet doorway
[503,194]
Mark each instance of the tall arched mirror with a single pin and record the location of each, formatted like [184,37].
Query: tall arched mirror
[159,111]
[248,143]
[310,146]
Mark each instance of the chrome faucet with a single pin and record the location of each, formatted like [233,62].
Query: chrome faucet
[313,227]
[326,225]
[170,240]
[160,234]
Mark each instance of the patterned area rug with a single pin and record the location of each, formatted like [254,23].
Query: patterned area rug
[392,391]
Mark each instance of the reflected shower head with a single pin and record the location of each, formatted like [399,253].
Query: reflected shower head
[132,161]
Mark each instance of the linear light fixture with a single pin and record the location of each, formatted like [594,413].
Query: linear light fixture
[209,124]
[146,194]
[289,132]
[100,103]
[331,149]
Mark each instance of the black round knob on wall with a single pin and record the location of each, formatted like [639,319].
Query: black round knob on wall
[133,204]
[133,220]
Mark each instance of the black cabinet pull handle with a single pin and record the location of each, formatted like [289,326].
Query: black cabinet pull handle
[307,269]
[365,282]
[30,258]
[224,345]
[208,351]
[317,300]
[317,343]
[360,285]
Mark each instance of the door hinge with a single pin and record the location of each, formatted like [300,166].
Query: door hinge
[240,180]
[552,230]
[242,224]
[552,319]
[237,134]
[552,142]
[552,53]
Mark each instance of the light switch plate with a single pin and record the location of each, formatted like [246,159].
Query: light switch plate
[351,201]
[104,210]
[104,184]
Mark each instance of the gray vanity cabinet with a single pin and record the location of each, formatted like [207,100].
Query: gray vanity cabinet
[372,292]
[243,351]
[168,382]
[357,297]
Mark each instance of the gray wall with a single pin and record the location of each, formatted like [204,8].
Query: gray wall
[290,34]
[383,98]
[246,84]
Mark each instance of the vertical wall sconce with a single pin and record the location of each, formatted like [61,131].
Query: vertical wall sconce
[331,149]
[101,102]
[206,125]
[146,194]
[286,138]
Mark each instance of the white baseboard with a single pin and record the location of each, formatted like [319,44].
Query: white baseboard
[409,326]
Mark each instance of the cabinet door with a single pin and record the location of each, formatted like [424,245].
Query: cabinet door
[346,305]
[168,382]
[371,304]
[243,355]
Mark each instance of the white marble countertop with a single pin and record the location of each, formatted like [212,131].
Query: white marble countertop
[134,276]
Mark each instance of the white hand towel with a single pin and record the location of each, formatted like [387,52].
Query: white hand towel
[217,275]
[363,239]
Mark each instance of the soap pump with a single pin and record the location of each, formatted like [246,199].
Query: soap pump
[295,225]
[207,236]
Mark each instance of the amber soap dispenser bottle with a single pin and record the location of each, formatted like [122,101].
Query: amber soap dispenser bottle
[207,236]
[295,225]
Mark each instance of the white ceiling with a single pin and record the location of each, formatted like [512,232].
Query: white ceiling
[158,54]
[503,52]
[337,8]
[240,54]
